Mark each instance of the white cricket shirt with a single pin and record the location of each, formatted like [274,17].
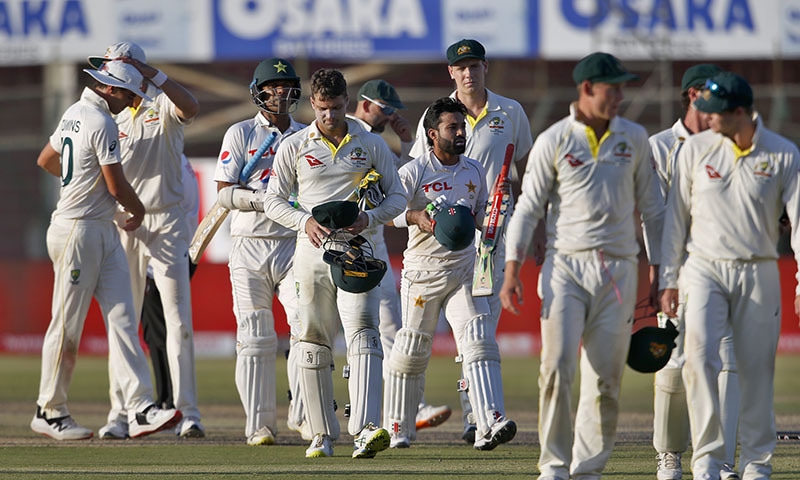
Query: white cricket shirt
[86,137]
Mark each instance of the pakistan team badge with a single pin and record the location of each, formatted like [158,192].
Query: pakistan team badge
[74,276]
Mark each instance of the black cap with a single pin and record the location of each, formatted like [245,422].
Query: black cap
[381,90]
[651,348]
[724,91]
[336,214]
[274,69]
[454,227]
[696,75]
[601,67]
[466,48]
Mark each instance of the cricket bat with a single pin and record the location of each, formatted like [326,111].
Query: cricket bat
[217,214]
[496,211]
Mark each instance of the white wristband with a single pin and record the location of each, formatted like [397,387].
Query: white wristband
[159,78]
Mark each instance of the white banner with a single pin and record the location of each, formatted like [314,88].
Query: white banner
[673,29]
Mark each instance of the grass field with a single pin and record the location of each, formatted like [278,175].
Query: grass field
[437,453]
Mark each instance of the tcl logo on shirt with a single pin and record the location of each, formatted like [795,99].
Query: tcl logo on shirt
[436,187]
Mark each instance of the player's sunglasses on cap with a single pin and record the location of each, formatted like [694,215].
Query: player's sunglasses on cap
[387,110]
[716,89]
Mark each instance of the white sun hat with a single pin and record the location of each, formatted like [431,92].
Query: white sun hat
[120,74]
[121,49]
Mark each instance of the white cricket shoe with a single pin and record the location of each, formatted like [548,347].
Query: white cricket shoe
[429,416]
[61,428]
[153,419]
[321,446]
[114,430]
[370,440]
[669,466]
[262,436]
[399,441]
[501,432]
[728,473]
[191,428]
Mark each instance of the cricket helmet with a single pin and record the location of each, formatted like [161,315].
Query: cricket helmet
[651,348]
[275,70]
[354,269]
[454,227]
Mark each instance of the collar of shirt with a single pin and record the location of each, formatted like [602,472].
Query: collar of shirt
[294,125]
[91,97]
[437,166]
[366,126]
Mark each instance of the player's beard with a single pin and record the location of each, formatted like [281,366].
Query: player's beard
[456,146]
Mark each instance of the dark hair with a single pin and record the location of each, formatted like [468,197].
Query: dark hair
[328,83]
[435,111]
[685,100]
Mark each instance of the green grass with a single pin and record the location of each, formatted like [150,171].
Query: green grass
[438,453]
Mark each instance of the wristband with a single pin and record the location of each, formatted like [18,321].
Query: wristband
[159,78]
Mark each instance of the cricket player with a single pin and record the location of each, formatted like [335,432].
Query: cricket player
[325,162]
[151,142]
[723,269]
[88,260]
[376,107]
[437,277]
[262,251]
[493,122]
[591,170]
[671,416]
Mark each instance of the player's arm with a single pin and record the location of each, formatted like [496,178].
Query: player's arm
[50,160]
[186,106]
[511,292]
[123,192]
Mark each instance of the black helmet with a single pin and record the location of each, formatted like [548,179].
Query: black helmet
[271,70]
[454,227]
[651,348]
[353,267]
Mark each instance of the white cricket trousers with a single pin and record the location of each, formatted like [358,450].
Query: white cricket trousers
[744,297]
[162,241]
[88,261]
[587,298]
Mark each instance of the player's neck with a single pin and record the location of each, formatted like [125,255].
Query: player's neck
[475,101]
[447,159]
[281,122]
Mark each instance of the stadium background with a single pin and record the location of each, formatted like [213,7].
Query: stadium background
[212,47]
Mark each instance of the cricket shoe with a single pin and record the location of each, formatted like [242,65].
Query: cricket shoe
[399,441]
[669,466]
[469,433]
[114,430]
[321,446]
[153,419]
[370,440]
[60,428]
[501,432]
[728,473]
[191,428]
[262,436]
[429,416]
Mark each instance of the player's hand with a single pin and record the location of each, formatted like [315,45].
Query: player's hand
[668,299]
[146,70]
[359,225]
[133,222]
[511,291]
[401,127]
[316,232]
[421,219]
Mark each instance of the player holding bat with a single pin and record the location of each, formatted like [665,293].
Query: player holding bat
[262,251]
[493,122]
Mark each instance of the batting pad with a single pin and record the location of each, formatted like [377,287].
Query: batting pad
[365,357]
[481,367]
[670,412]
[316,385]
[296,411]
[256,346]
[405,380]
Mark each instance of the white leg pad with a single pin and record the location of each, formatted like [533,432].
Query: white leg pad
[365,357]
[256,347]
[405,381]
[671,413]
[316,384]
[481,366]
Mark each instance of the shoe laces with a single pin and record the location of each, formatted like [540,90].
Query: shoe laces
[669,461]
